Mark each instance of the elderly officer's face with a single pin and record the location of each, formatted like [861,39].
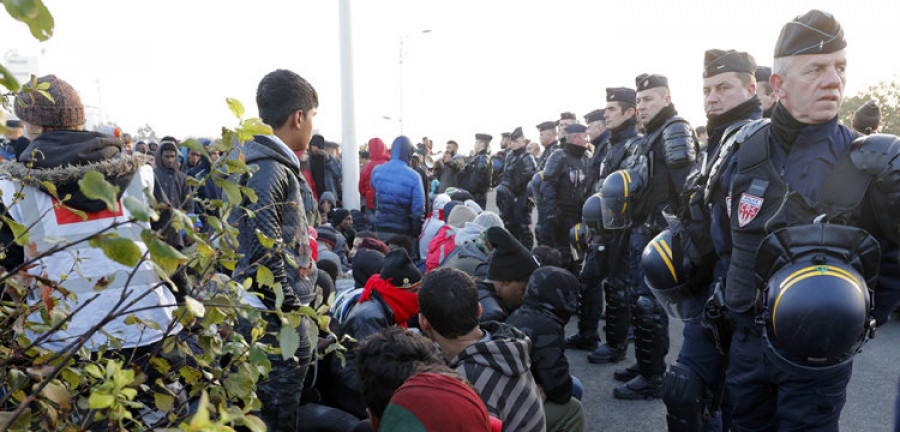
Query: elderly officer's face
[650,102]
[725,91]
[813,89]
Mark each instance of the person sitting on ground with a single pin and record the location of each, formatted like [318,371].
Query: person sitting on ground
[433,222]
[509,268]
[549,302]
[326,204]
[493,356]
[445,240]
[388,299]
[391,357]
[412,406]
[471,252]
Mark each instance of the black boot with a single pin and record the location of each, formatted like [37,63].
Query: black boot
[607,353]
[628,373]
[640,388]
[583,341]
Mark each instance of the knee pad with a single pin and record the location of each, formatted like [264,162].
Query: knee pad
[683,392]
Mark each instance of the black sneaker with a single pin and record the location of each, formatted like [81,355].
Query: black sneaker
[607,353]
[581,342]
[640,388]
[628,373]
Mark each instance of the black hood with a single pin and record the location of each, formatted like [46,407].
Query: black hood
[63,158]
[554,290]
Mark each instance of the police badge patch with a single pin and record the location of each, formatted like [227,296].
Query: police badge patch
[748,208]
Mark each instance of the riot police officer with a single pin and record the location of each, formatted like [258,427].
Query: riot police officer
[599,135]
[621,121]
[694,385]
[564,189]
[667,154]
[497,160]
[802,183]
[548,140]
[512,194]
[476,176]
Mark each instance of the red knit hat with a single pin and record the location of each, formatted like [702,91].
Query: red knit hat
[412,407]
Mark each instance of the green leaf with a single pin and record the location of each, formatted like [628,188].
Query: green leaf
[249,193]
[254,423]
[239,384]
[194,307]
[94,186]
[100,401]
[232,191]
[138,210]
[236,107]
[93,370]
[121,250]
[163,254]
[255,126]
[196,146]
[264,240]
[289,341]
[164,402]
[8,80]
[20,232]
[33,13]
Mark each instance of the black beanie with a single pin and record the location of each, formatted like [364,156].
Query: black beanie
[327,234]
[330,267]
[338,215]
[510,260]
[366,263]
[399,270]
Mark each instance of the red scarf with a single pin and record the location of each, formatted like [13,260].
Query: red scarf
[403,304]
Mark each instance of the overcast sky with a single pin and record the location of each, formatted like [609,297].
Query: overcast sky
[486,66]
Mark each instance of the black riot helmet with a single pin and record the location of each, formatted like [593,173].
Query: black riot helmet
[816,283]
[592,212]
[579,237]
[619,195]
[668,274]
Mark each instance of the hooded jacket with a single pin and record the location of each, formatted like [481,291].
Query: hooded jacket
[499,368]
[469,259]
[379,155]
[549,302]
[280,215]
[62,158]
[399,197]
[433,223]
[171,184]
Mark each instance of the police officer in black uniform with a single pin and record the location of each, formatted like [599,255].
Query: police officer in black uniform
[497,159]
[694,385]
[667,153]
[564,189]
[803,183]
[548,140]
[599,136]
[476,176]
[621,121]
[512,195]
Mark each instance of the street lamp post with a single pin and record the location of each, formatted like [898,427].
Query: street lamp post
[403,54]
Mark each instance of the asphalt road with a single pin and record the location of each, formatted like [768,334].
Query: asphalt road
[870,395]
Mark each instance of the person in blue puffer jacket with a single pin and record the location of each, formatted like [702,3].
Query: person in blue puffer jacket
[399,196]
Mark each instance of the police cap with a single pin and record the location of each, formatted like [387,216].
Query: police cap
[717,61]
[576,128]
[815,32]
[763,73]
[547,125]
[621,94]
[516,133]
[595,115]
[483,137]
[649,81]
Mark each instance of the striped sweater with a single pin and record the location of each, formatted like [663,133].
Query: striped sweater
[499,368]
